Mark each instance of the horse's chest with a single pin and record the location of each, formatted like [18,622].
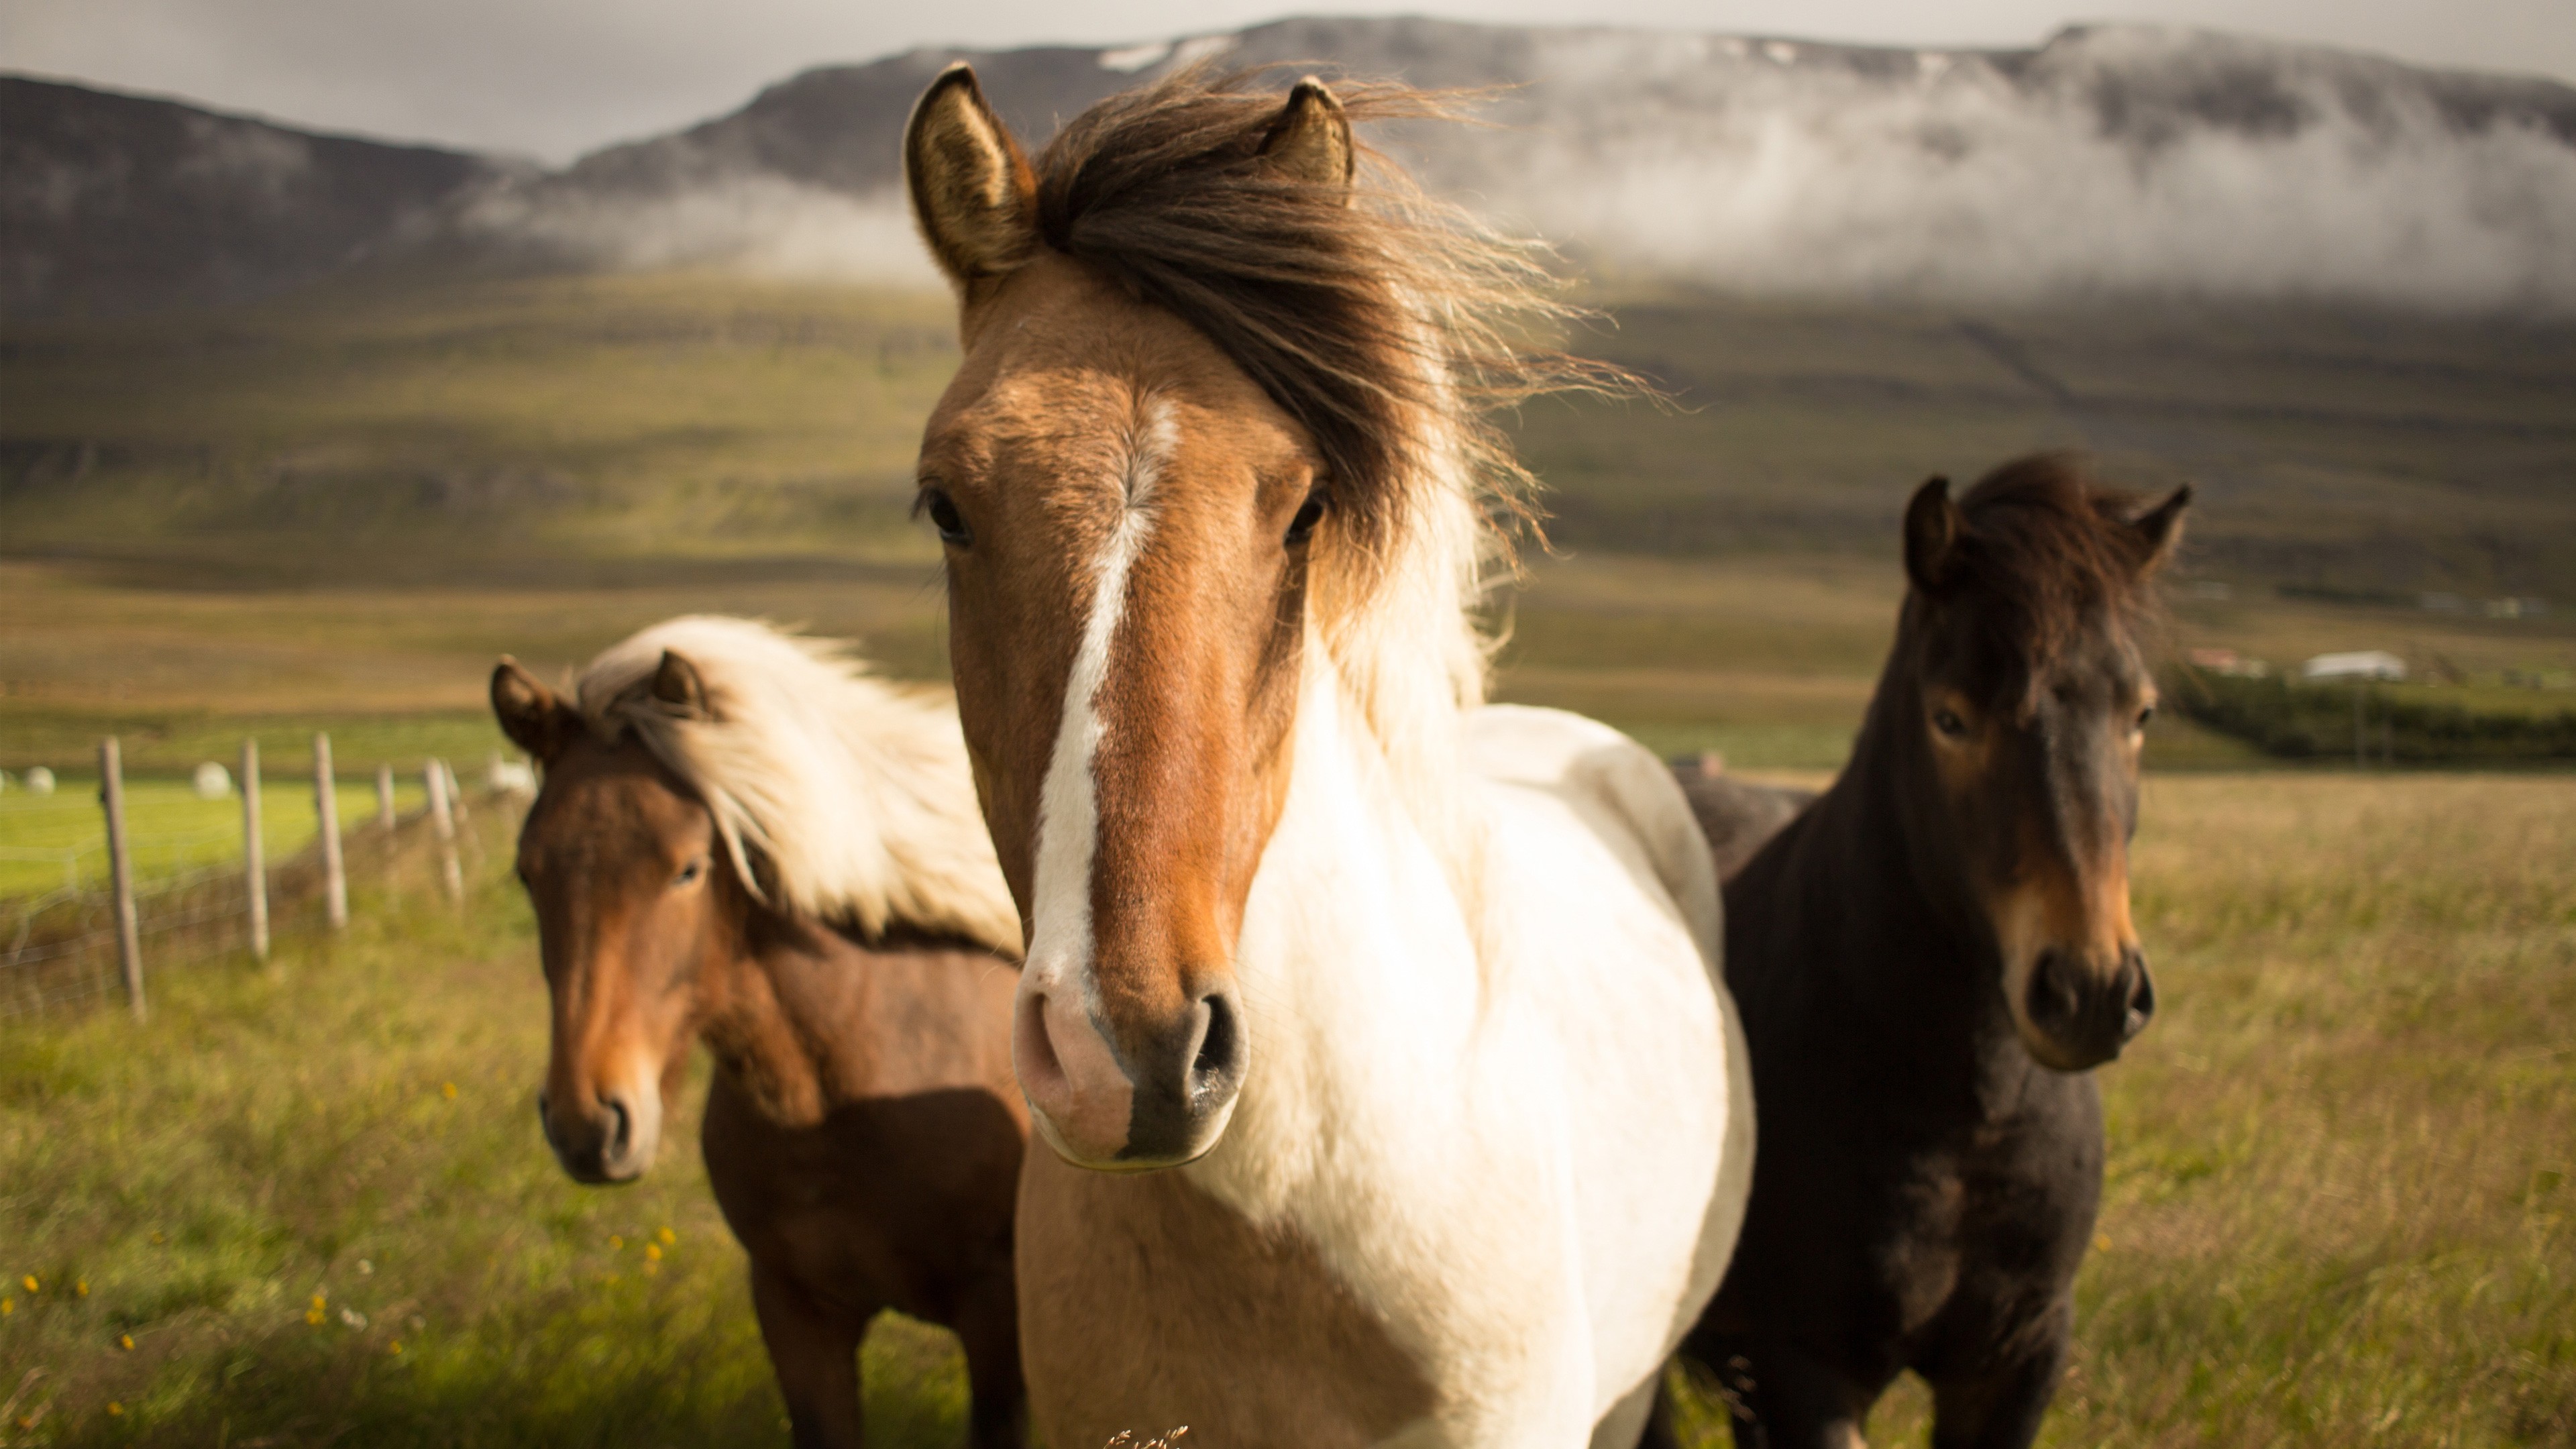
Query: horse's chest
[891,1201]
[1982,1233]
[1146,1304]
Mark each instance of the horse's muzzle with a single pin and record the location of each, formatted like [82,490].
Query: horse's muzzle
[2077,1015]
[606,1141]
[1159,1103]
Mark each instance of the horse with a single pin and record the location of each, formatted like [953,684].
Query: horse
[1930,959]
[743,838]
[1391,1090]
[1738,816]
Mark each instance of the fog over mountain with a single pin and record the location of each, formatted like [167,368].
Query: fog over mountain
[2111,160]
[125,203]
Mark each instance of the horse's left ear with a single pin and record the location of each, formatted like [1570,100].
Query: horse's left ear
[678,688]
[2160,529]
[1311,138]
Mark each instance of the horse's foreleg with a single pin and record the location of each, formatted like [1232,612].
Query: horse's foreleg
[1780,1398]
[2000,1406]
[815,1354]
[988,1328]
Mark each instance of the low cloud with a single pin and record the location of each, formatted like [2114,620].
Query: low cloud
[759,225]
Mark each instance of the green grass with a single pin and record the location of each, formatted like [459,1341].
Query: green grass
[2339,1205]
[169,829]
[275,1137]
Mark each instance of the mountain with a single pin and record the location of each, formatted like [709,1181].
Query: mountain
[117,203]
[2112,159]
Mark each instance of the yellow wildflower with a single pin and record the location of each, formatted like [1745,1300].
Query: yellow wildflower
[668,1237]
[447,1090]
[394,1347]
[652,1252]
[28,1282]
[2101,1242]
[125,1341]
[8,1305]
[114,1407]
[616,1244]
[81,1289]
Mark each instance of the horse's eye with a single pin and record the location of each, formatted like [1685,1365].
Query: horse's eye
[689,873]
[1310,513]
[1949,723]
[945,517]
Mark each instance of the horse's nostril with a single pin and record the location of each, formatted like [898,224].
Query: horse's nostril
[2142,997]
[2050,998]
[621,1128]
[1220,1055]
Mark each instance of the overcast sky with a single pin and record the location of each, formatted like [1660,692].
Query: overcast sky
[554,78]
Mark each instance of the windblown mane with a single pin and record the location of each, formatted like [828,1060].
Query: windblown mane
[2049,552]
[1387,323]
[855,797]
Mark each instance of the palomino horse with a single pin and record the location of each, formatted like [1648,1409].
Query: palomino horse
[744,839]
[1393,1094]
[1929,959]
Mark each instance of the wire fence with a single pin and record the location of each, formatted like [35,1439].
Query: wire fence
[59,951]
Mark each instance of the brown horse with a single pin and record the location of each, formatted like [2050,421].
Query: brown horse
[742,840]
[1929,959]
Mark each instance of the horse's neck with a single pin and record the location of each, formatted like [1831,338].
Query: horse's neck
[1892,950]
[1358,956]
[786,1012]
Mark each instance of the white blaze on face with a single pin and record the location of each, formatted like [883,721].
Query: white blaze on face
[1078,1085]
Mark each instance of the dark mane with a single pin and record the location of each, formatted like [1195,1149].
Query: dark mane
[1377,318]
[2048,553]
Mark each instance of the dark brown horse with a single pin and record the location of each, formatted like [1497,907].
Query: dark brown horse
[1928,961]
[863,1134]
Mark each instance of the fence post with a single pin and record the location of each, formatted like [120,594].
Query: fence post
[326,804]
[443,820]
[385,798]
[254,852]
[120,864]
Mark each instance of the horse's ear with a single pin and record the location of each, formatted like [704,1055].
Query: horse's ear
[973,194]
[678,688]
[1931,536]
[1311,138]
[2160,530]
[529,713]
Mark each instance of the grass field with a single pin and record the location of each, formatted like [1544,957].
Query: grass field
[2338,1212]
[61,839]
[2338,1209]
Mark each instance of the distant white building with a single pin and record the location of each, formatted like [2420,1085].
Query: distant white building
[2355,664]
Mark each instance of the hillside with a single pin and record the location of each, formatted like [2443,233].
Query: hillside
[120,204]
[498,428]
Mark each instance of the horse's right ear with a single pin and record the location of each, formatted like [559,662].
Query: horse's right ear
[1931,536]
[973,194]
[529,713]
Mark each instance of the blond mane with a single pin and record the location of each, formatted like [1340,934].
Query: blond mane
[854,795]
